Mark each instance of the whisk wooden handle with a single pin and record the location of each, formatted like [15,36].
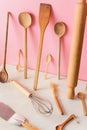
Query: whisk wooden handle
[29,126]
[52,86]
[22,88]
[76,47]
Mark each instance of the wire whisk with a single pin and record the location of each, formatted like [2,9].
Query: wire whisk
[41,105]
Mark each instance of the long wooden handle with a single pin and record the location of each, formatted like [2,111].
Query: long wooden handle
[52,86]
[76,47]
[22,88]
[29,126]
[84,107]
[6,39]
[38,60]
[25,54]
[58,61]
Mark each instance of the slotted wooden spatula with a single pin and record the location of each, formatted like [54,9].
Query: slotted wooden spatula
[8,114]
[44,16]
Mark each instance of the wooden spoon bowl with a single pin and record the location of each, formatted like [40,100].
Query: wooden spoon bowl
[3,76]
[25,19]
[60,28]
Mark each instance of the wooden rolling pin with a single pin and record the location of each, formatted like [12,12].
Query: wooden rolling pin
[76,47]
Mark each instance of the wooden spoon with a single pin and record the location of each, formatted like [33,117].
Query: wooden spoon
[3,73]
[81,96]
[25,20]
[59,29]
[48,60]
[54,91]
[44,16]
[60,127]
[18,67]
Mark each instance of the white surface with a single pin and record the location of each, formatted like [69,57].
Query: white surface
[13,97]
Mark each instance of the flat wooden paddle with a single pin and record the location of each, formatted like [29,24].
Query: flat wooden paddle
[44,16]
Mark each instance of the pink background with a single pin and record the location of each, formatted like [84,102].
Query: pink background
[62,10]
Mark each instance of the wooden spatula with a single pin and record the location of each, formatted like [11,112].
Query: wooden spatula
[8,114]
[44,15]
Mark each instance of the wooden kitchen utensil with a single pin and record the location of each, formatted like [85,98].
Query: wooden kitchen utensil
[18,67]
[76,47]
[3,73]
[81,96]
[61,126]
[54,91]
[43,106]
[48,60]
[44,16]
[59,29]
[8,114]
[25,20]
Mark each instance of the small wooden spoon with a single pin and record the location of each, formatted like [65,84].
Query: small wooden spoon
[81,96]
[25,20]
[60,127]
[18,67]
[3,73]
[59,29]
[48,60]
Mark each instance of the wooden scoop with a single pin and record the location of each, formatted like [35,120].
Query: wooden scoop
[48,60]
[81,96]
[59,29]
[44,16]
[25,20]
[54,91]
[60,127]
[18,67]
[3,73]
